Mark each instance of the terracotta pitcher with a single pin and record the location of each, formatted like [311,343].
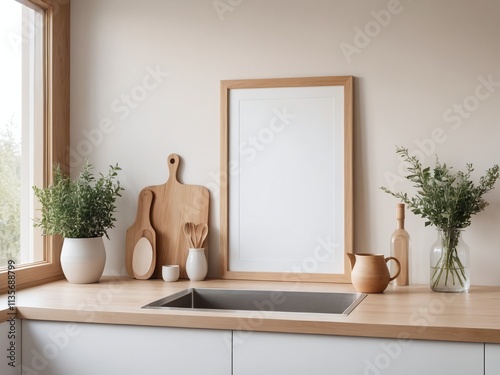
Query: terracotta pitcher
[370,273]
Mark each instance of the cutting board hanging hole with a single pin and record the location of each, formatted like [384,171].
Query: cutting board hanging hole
[173,165]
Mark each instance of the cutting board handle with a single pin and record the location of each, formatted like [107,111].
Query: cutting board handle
[145,202]
[173,164]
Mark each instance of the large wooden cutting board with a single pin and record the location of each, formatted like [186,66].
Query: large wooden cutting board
[175,204]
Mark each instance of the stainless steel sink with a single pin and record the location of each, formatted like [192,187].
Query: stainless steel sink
[260,300]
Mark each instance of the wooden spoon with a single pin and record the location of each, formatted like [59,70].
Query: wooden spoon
[201,234]
[192,230]
[188,233]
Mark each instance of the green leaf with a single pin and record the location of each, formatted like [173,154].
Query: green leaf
[80,208]
[445,199]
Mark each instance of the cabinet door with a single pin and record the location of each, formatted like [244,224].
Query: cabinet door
[57,348]
[492,359]
[276,353]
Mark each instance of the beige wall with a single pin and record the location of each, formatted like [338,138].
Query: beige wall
[145,83]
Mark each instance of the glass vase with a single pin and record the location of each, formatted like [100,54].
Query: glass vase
[450,267]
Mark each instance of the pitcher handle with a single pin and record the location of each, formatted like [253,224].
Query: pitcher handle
[398,264]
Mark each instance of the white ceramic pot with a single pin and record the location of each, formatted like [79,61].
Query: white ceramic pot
[196,264]
[83,259]
[170,272]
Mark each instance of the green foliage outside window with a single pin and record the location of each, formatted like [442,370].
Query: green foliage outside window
[10,203]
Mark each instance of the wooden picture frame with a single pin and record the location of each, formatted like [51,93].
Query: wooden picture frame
[286,179]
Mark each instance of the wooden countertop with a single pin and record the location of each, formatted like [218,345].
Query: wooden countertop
[413,312]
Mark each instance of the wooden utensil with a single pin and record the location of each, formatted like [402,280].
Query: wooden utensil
[141,229]
[174,205]
[201,234]
[192,229]
[187,233]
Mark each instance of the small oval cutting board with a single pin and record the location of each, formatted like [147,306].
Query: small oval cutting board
[141,240]
[143,259]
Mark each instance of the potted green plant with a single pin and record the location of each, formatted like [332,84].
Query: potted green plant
[447,201]
[80,210]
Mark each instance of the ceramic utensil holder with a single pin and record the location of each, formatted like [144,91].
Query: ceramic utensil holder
[196,264]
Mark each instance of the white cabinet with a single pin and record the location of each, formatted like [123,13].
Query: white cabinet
[276,353]
[59,348]
[10,360]
[491,359]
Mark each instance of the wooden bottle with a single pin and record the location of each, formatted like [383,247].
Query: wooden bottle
[400,246]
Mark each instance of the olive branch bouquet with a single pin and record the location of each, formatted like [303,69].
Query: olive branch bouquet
[447,201]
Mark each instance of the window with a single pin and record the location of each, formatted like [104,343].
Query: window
[21,117]
[34,129]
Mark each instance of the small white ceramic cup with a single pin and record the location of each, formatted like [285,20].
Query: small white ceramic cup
[170,272]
